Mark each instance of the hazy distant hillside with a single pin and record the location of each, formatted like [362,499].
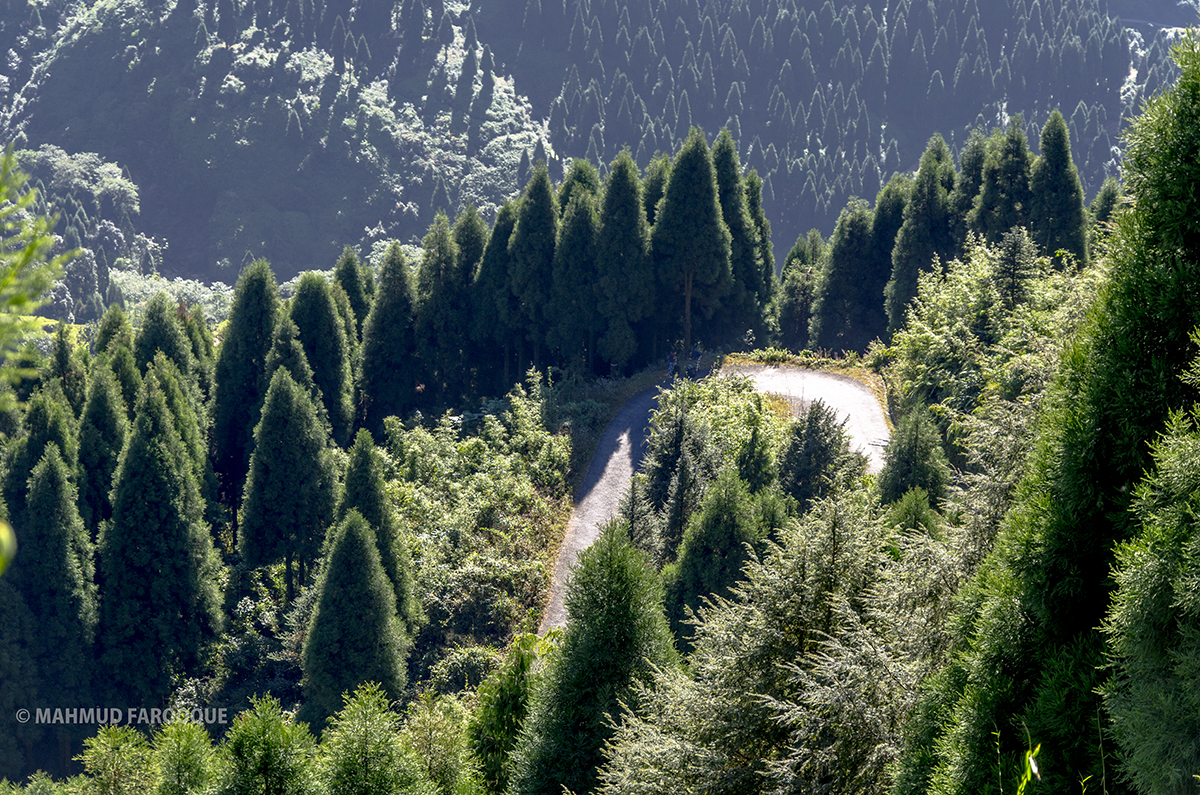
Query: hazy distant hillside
[289,128]
[827,100]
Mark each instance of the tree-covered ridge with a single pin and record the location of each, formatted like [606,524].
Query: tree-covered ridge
[827,100]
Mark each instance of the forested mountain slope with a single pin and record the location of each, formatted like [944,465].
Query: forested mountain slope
[289,129]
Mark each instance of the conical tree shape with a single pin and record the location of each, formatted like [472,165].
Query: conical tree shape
[816,444]
[366,493]
[348,273]
[471,237]
[842,310]
[1057,218]
[576,279]
[54,572]
[125,370]
[313,311]
[886,223]
[690,242]
[766,249]
[240,386]
[926,233]
[114,329]
[160,601]
[354,635]
[495,308]
[195,328]
[627,283]
[966,188]
[1004,196]
[443,314]
[616,634]
[389,373]
[102,431]
[581,176]
[66,366]
[532,251]
[290,491]
[742,308]
[186,407]
[162,331]
[288,354]
[48,419]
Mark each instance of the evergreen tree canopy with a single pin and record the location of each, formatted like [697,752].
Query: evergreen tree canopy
[361,750]
[926,233]
[348,273]
[266,750]
[616,635]
[531,249]
[749,291]
[389,374]
[1004,197]
[842,310]
[290,491]
[689,241]
[240,386]
[102,431]
[495,306]
[66,366]
[914,459]
[576,281]
[287,353]
[48,419]
[54,573]
[471,237]
[961,200]
[815,448]
[443,317]
[365,491]
[354,635]
[323,336]
[1057,218]
[114,329]
[581,176]
[160,601]
[654,187]
[627,284]
[162,331]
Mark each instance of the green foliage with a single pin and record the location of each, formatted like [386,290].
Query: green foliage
[291,489]
[26,269]
[926,234]
[1005,197]
[315,314]
[689,241]
[815,452]
[494,305]
[573,301]
[843,309]
[54,572]
[912,512]
[365,491]
[114,328]
[184,758]
[18,674]
[749,292]
[627,283]
[160,603]
[531,249]
[434,730]
[389,375]
[354,636]
[118,761]
[616,636]
[1057,218]
[581,176]
[288,354]
[67,366]
[361,752]
[48,419]
[350,274]
[1032,614]
[240,386]
[443,290]
[501,710]
[267,750]
[1015,266]
[914,459]
[162,331]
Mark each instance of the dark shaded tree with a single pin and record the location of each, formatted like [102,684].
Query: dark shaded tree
[1057,218]
[162,331]
[354,635]
[531,249]
[323,336]
[842,310]
[443,314]
[495,308]
[627,283]
[815,449]
[102,431]
[743,308]
[576,319]
[348,272]
[1004,196]
[389,372]
[914,459]
[114,328]
[48,419]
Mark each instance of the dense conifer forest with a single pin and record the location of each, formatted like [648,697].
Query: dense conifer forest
[295,532]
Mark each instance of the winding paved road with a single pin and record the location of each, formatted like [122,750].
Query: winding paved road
[624,443]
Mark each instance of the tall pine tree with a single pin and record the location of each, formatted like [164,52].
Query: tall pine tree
[495,307]
[389,374]
[102,431]
[742,308]
[443,314]
[627,283]
[531,249]
[576,321]
[323,336]
[843,310]
[1057,218]
[1004,196]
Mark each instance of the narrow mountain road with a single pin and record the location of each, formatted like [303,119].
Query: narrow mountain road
[624,443]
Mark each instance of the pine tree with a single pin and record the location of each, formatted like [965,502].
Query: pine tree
[966,188]
[389,374]
[627,284]
[365,491]
[576,281]
[1057,218]
[690,243]
[766,249]
[361,749]
[1015,265]
[160,602]
[349,274]
[742,308]
[471,237]
[102,431]
[54,573]
[616,634]
[267,750]
[162,331]
[290,491]
[66,366]
[914,459]
[494,306]
[531,248]
[1105,203]
[654,187]
[581,176]
[322,333]
[1004,196]
[195,328]
[48,419]
[188,412]
[810,457]
[288,354]
[842,311]
[240,387]
[120,360]
[713,551]
[354,635]
[19,683]
[114,329]
[443,314]
[926,233]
